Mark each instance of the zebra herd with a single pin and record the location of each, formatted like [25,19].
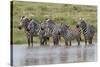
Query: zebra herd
[48,28]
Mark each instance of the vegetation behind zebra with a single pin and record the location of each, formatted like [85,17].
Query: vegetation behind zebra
[67,13]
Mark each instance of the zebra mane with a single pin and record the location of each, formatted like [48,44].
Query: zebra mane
[49,21]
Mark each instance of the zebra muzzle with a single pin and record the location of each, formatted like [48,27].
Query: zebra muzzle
[20,27]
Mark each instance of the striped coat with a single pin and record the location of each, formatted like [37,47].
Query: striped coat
[30,28]
[43,34]
[70,34]
[88,31]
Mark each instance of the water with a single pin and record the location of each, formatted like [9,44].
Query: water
[39,55]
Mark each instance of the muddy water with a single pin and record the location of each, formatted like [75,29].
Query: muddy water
[52,54]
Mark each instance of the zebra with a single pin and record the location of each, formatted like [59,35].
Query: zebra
[50,24]
[30,28]
[88,30]
[43,34]
[56,34]
[33,27]
[53,30]
[49,29]
[70,34]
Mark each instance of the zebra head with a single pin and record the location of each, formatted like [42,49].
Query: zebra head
[24,22]
[50,24]
[82,23]
[64,28]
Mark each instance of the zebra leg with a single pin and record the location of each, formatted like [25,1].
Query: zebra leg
[81,38]
[32,40]
[28,39]
[85,42]
[58,39]
[70,42]
[54,40]
[78,41]
[45,41]
[66,42]
[90,40]
[40,41]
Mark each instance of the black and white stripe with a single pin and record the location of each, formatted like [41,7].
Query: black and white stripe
[88,31]
[70,34]
[30,28]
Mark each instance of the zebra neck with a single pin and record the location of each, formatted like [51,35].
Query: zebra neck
[64,32]
[26,23]
[26,27]
[84,28]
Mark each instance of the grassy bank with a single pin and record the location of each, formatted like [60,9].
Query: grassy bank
[67,13]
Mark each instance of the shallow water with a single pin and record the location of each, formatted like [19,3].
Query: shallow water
[38,55]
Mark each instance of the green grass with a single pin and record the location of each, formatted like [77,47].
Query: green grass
[67,13]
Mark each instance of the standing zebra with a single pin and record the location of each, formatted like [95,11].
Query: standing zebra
[56,34]
[49,29]
[88,30]
[50,25]
[53,30]
[30,28]
[70,34]
[43,34]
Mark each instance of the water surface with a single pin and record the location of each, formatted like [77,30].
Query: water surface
[39,55]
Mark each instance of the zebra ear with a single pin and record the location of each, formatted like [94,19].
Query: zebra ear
[22,17]
[81,18]
[82,21]
[30,19]
[46,18]
[68,26]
